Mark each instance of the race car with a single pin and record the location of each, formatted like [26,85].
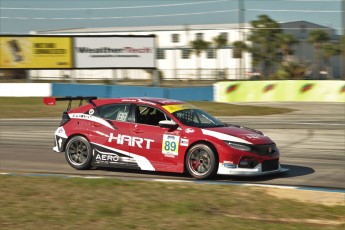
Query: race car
[158,134]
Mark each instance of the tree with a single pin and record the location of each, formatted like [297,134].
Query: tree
[219,41]
[237,52]
[198,46]
[329,50]
[292,70]
[239,48]
[265,43]
[317,38]
[286,41]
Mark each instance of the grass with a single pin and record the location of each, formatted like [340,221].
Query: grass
[33,107]
[61,203]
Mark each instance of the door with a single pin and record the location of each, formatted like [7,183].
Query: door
[158,145]
[110,136]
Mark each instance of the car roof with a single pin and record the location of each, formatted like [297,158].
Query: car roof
[143,100]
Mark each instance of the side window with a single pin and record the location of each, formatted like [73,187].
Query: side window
[187,117]
[117,112]
[149,115]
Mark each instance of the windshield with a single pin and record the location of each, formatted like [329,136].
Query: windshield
[197,118]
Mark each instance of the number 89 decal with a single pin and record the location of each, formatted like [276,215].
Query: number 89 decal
[170,144]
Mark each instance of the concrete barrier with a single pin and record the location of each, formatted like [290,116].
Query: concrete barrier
[113,91]
[301,90]
[231,91]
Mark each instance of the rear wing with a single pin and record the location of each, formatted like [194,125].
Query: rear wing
[53,100]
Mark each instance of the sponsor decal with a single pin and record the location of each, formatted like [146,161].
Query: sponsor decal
[90,118]
[189,130]
[253,136]
[60,132]
[170,144]
[168,101]
[224,137]
[342,89]
[112,157]
[131,141]
[174,108]
[184,142]
[305,88]
[146,102]
[142,162]
[269,87]
[232,88]
[80,115]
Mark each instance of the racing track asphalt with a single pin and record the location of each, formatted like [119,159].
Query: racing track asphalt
[311,140]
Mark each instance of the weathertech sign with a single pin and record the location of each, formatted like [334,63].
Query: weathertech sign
[114,52]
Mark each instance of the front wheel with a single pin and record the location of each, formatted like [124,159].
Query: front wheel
[201,161]
[78,153]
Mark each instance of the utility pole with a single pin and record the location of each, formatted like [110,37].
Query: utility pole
[240,31]
[342,42]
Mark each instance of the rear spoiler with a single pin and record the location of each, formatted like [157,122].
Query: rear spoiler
[53,100]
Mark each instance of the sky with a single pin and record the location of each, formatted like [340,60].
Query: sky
[23,16]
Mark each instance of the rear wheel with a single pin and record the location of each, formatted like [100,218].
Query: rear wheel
[201,161]
[78,153]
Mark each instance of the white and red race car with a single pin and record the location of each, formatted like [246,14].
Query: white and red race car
[158,134]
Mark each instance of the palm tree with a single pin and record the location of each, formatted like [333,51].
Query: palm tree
[265,43]
[237,52]
[219,41]
[292,70]
[286,41]
[317,38]
[198,46]
[329,50]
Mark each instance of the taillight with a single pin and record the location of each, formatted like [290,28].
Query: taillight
[65,118]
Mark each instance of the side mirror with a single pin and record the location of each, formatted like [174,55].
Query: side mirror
[168,124]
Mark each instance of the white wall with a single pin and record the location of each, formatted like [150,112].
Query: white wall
[25,89]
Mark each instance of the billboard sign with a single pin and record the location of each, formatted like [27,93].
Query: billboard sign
[30,52]
[114,52]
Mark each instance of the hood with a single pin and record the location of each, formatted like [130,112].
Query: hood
[238,134]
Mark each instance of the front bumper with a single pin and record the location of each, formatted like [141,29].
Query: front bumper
[226,169]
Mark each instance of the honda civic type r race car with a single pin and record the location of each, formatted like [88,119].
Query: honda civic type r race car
[158,134]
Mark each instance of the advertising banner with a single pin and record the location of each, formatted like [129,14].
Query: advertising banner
[115,52]
[35,52]
[299,90]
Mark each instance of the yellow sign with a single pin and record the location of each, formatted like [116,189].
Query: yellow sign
[35,52]
[174,108]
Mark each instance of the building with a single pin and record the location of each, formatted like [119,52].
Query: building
[305,52]
[175,58]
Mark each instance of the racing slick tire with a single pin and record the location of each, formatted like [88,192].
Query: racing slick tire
[78,153]
[201,161]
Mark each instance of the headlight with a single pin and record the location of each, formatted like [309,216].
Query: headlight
[238,146]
